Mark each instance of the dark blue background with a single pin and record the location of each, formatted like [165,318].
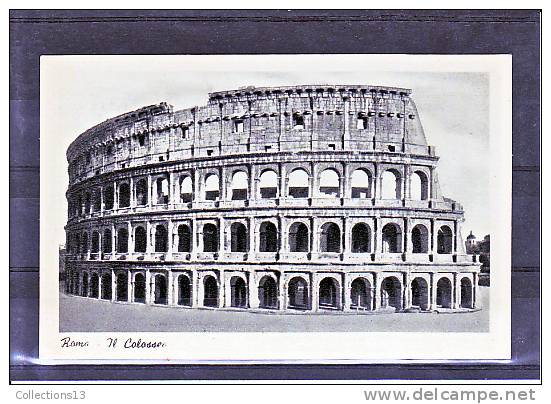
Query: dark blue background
[34,33]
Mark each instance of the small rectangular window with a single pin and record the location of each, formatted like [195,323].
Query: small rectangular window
[361,123]
[161,158]
[185,132]
[267,148]
[331,146]
[209,152]
[239,126]
[298,122]
[391,148]
[141,140]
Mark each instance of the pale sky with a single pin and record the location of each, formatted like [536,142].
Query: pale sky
[78,92]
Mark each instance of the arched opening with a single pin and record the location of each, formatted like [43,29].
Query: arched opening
[299,238]
[107,245]
[139,288]
[84,246]
[420,293]
[466,293]
[186,189]
[328,292]
[84,291]
[298,184]
[238,292]
[161,295]
[391,185]
[106,286]
[95,242]
[184,291]
[140,240]
[238,237]
[268,237]
[298,294]
[392,238]
[184,238]
[444,240]
[239,186]
[329,184]
[360,294]
[210,238]
[267,293]
[419,186]
[124,195]
[444,293]
[108,197]
[121,292]
[210,295]
[268,184]
[361,238]
[161,185]
[391,293]
[96,204]
[212,188]
[122,240]
[420,239]
[330,238]
[361,184]
[161,238]
[87,203]
[94,286]
[141,192]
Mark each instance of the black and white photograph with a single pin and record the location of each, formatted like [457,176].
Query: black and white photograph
[275,207]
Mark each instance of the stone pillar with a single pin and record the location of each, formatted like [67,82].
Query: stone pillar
[148,288]
[345,293]
[346,235]
[115,196]
[130,239]
[223,184]
[314,236]
[454,241]
[376,291]
[282,191]
[407,182]
[149,237]
[222,289]
[113,285]
[222,235]
[254,303]
[113,241]
[102,201]
[347,189]
[252,182]
[456,295]
[282,238]
[346,125]
[314,292]
[252,237]
[378,236]
[432,304]
[475,290]
[407,232]
[376,185]
[433,237]
[132,193]
[149,191]
[281,292]
[406,293]
[152,238]
[171,189]
[99,284]
[313,181]
[194,233]
[195,286]
[129,287]
[170,237]
[170,289]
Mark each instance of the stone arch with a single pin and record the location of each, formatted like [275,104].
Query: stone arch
[298,184]
[122,240]
[210,237]
[85,286]
[142,194]
[361,183]
[268,184]
[444,240]
[391,293]
[268,293]
[161,238]
[392,238]
[444,293]
[121,291]
[95,242]
[184,238]
[298,293]
[210,291]
[140,239]
[328,292]
[238,292]
[185,290]
[391,184]
[238,237]
[330,238]
[420,239]
[239,186]
[466,293]
[124,195]
[107,244]
[419,186]
[299,238]
[94,285]
[186,189]
[420,293]
[361,294]
[329,183]
[140,288]
[212,187]
[361,238]
[106,291]
[161,289]
[268,237]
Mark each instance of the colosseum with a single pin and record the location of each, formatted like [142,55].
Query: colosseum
[283,199]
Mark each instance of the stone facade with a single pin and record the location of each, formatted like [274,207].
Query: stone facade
[303,198]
